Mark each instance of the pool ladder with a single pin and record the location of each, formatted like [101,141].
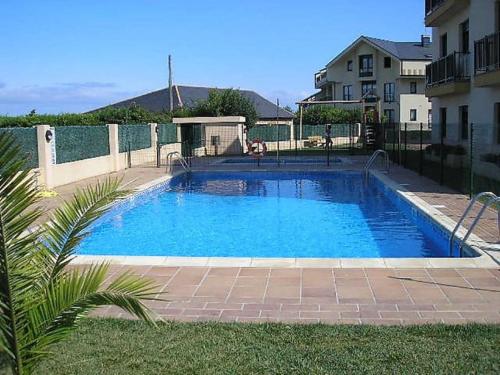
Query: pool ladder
[372,159]
[492,199]
[182,161]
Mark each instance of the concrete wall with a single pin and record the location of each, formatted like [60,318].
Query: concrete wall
[52,175]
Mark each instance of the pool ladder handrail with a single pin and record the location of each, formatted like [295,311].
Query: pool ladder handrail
[372,159]
[493,198]
[182,161]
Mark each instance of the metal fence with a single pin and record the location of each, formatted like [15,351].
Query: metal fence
[468,160]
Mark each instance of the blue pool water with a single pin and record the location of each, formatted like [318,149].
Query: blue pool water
[267,214]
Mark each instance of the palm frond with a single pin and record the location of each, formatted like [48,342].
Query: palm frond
[72,296]
[69,223]
[17,195]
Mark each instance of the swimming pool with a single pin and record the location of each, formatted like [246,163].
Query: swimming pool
[282,160]
[267,214]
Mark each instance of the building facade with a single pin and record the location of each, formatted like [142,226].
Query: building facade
[463,80]
[389,77]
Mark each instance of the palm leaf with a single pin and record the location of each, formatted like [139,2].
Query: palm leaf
[70,222]
[69,298]
[17,194]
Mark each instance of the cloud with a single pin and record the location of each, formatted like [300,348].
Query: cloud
[61,97]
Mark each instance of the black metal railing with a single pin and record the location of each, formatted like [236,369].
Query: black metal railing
[432,5]
[365,72]
[454,67]
[389,97]
[487,54]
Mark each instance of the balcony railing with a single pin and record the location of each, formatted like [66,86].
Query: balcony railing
[389,97]
[451,68]
[320,78]
[432,5]
[365,72]
[487,54]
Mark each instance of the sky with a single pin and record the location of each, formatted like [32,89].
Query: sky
[77,55]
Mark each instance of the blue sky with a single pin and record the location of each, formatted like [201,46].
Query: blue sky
[59,56]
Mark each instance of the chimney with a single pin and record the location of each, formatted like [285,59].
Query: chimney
[426,40]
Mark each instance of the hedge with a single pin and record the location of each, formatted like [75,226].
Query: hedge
[167,133]
[135,137]
[26,139]
[80,142]
[269,133]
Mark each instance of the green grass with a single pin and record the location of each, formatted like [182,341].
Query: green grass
[130,347]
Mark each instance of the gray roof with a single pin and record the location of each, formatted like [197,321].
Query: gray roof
[158,101]
[404,50]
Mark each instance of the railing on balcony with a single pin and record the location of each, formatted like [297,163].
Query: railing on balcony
[432,5]
[454,67]
[365,72]
[487,54]
[389,97]
[320,78]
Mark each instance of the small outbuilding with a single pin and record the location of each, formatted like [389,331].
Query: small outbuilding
[211,136]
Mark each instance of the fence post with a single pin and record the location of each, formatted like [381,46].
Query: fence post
[394,142]
[154,142]
[441,158]
[471,148]
[399,143]
[45,163]
[421,151]
[405,160]
[114,146]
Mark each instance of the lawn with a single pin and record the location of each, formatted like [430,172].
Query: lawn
[131,347]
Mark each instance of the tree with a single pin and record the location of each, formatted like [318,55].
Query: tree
[227,102]
[324,114]
[41,300]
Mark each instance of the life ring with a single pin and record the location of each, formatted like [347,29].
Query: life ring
[257,148]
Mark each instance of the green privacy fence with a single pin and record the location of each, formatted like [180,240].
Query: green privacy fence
[167,133]
[81,142]
[338,130]
[26,138]
[270,133]
[134,137]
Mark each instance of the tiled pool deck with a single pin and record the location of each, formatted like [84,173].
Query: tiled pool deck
[311,295]
[342,291]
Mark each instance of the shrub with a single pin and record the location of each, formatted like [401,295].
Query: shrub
[324,114]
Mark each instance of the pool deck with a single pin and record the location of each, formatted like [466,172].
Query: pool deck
[327,295]
[343,291]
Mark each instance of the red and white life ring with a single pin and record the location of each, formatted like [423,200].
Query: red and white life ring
[257,148]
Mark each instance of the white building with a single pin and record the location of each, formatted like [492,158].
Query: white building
[389,75]
[464,78]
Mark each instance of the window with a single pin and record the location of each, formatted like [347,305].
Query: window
[463,114]
[413,115]
[349,66]
[365,65]
[389,92]
[389,115]
[442,122]
[413,87]
[444,45]
[347,92]
[464,37]
[429,118]
[387,62]
[368,88]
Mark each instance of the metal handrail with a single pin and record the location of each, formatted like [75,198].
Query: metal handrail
[476,220]
[181,159]
[466,212]
[372,159]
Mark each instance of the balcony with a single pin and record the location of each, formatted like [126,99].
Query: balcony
[320,79]
[438,11]
[487,60]
[366,72]
[389,97]
[448,75]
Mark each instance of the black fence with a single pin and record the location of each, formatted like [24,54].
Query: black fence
[468,164]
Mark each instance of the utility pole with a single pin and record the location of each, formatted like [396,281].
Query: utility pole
[170,88]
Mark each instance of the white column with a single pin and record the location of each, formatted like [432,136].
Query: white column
[45,156]
[114,146]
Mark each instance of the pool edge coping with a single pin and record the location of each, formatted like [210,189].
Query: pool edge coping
[484,260]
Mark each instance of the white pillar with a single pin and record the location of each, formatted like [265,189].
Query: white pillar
[45,156]
[114,146]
